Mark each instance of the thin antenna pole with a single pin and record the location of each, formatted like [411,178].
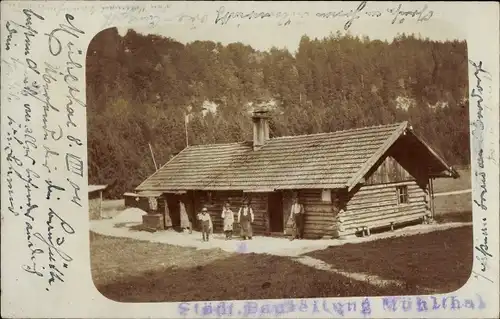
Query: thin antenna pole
[186,128]
[153,156]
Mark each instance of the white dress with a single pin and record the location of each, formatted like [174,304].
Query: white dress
[228,217]
[184,217]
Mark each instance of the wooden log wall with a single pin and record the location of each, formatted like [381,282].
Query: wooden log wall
[94,206]
[375,206]
[161,207]
[388,171]
[319,215]
[258,202]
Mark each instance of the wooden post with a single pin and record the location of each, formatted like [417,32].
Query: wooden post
[186,120]
[340,224]
[392,226]
[100,204]
[431,191]
[367,231]
[153,156]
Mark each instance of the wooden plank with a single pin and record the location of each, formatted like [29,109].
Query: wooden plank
[368,190]
[319,215]
[379,204]
[381,210]
[388,215]
[374,220]
[352,230]
[382,186]
[388,190]
[315,210]
[374,193]
[319,219]
[388,170]
[372,203]
[386,222]
[376,156]
[362,221]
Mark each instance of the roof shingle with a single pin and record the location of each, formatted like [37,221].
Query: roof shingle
[325,160]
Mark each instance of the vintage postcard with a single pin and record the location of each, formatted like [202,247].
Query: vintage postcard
[249,159]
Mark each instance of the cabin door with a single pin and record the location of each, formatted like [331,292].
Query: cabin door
[275,211]
[173,208]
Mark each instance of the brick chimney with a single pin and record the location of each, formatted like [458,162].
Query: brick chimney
[260,118]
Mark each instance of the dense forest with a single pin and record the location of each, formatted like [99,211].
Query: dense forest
[139,88]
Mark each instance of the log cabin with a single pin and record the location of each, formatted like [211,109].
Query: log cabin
[95,201]
[350,182]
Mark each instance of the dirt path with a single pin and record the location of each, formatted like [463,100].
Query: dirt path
[370,279]
[259,245]
[294,250]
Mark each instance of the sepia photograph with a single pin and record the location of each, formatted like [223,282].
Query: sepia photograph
[270,166]
[223,159]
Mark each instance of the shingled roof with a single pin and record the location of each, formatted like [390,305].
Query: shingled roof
[326,160]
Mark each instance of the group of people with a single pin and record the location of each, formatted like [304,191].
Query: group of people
[245,217]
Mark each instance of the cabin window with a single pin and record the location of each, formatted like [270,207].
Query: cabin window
[402,194]
[326,196]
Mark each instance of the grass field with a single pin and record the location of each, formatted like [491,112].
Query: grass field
[442,185]
[453,203]
[114,259]
[438,260]
[457,217]
[129,270]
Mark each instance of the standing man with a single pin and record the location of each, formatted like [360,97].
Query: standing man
[297,216]
[245,219]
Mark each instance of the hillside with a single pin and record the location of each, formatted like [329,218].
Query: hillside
[139,88]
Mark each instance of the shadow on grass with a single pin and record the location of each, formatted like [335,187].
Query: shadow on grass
[247,276]
[440,260]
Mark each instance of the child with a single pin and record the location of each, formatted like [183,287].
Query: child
[206,223]
[228,218]
[245,218]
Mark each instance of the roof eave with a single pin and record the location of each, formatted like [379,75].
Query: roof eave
[404,128]
[448,168]
[97,188]
[141,185]
[359,176]
[450,173]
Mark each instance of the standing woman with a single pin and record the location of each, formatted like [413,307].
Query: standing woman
[245,218]
[168,220]
[228,218]
[185,223]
